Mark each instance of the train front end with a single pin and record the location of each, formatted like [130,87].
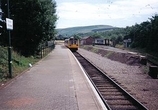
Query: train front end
[72,43]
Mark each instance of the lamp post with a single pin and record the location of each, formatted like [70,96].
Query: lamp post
[9,46]
[1,15]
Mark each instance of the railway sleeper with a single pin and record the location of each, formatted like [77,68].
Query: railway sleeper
[119,102]
[109,90]
[120,107]
[112,93]
[117,97]
[99,81]
[105,87]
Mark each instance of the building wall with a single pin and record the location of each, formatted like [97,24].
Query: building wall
[87,41]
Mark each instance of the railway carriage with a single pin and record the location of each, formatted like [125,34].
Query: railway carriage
[72,43]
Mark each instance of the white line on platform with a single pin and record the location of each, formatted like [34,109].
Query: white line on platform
[91,85]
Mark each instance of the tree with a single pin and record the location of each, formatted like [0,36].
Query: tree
[76,36]
[153,40]
[34,23]
[144,35]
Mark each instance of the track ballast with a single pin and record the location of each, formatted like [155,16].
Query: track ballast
[113,95]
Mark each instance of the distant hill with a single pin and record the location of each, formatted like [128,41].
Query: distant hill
[83,29]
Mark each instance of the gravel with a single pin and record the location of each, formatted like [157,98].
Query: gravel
[133,78]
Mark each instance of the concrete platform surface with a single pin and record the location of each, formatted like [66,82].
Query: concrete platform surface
[55,83]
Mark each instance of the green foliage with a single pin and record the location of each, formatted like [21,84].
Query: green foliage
[34,23]
[19,63]
[76,36]
[3,61]
[145,35]
[113,33]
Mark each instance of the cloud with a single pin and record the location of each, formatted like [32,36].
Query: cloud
[80,12]
[77,10]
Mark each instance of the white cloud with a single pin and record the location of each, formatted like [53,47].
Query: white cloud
[76,13]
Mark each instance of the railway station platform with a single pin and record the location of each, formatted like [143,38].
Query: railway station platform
[57,82]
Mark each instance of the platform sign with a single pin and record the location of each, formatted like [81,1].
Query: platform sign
[9,24]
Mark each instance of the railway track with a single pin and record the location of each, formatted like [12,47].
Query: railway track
[113,95]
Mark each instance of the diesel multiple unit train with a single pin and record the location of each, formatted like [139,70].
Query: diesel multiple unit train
[72,43]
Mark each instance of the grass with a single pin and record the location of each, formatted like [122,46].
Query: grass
[19,63]
[95,50]
[108,54]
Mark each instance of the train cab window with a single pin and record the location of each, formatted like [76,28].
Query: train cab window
[75,41]
[71,41]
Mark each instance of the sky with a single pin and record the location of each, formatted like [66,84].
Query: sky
[119,13]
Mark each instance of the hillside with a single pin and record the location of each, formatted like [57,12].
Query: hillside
[83,29]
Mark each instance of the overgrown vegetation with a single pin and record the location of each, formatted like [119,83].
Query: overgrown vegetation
[19,63]
[3,62]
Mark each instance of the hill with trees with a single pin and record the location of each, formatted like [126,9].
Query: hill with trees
[66,32]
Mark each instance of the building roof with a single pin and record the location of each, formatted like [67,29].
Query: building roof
[85,37]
